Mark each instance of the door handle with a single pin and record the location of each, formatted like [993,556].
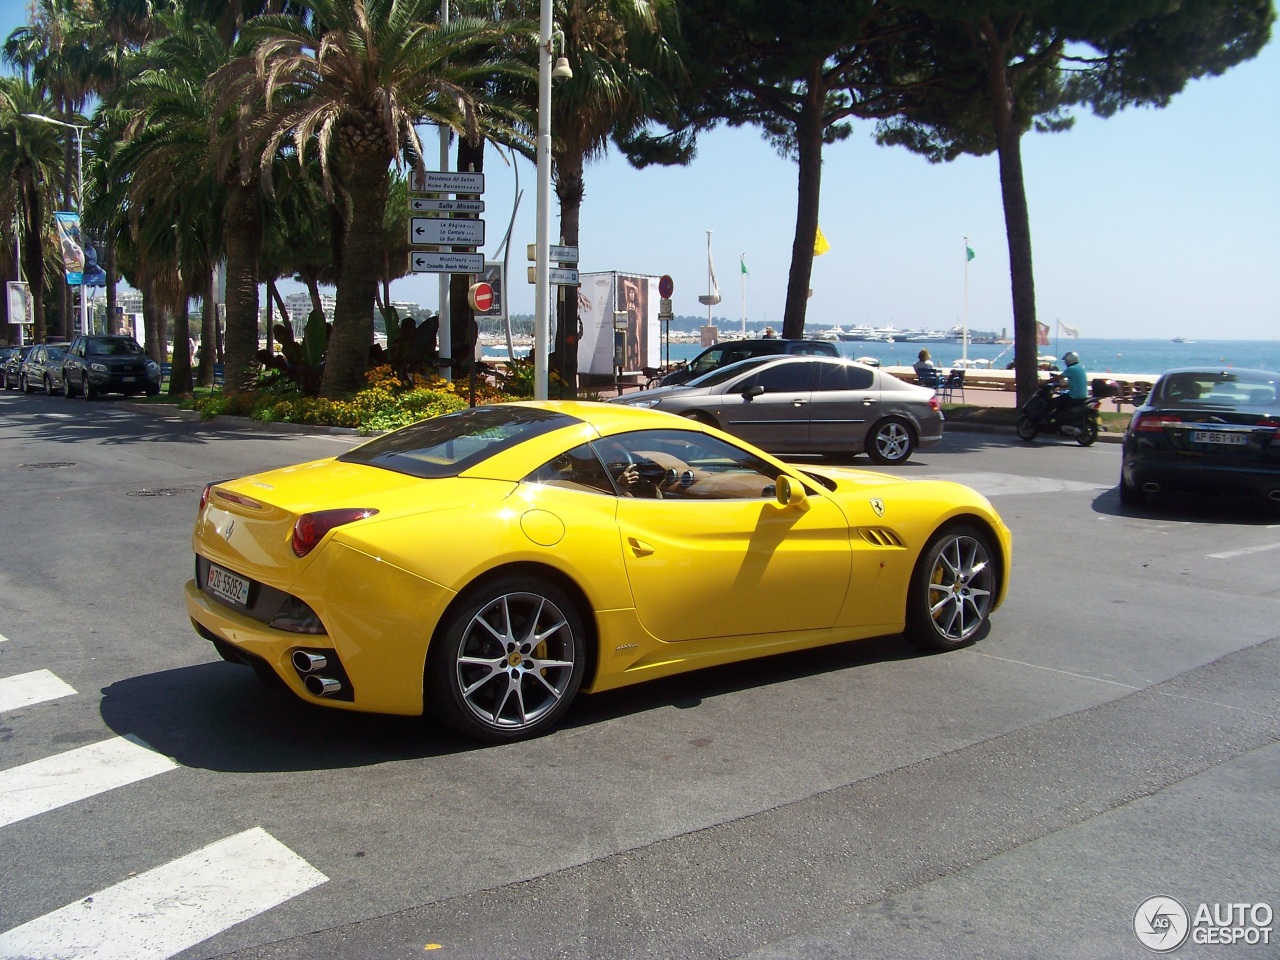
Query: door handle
[639,547]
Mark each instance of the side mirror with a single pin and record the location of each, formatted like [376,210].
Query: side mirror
[752,392]
[790,493]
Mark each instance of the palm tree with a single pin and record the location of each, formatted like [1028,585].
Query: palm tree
[623,57]
[30,163]
[355,76]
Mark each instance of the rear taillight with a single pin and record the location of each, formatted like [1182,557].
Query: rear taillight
[934,405]
[204,495]
[311,527]
[1155,422]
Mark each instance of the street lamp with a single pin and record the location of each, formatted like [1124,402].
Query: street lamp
[79,129]
[542,245]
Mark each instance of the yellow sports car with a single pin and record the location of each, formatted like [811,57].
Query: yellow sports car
[486,566]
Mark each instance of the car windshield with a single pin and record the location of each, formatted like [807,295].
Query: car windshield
[112,347]
[446,446]
[1224,389]
[722,374]
[55,353]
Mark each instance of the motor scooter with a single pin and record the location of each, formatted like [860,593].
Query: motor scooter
[1040,414]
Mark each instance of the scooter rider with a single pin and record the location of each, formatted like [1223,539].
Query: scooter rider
[1077,383]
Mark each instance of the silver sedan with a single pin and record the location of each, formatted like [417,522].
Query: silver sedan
[798,404]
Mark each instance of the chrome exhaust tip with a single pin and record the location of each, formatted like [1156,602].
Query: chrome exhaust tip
[1151,488]
[322,686]
[1274,495]
[305,662]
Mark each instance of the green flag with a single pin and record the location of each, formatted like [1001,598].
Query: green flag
[743,263]
[968,252]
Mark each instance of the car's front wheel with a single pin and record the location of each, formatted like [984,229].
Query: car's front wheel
[48,386]
[890,441]
[952,589]
[507,661]
[87,389]
[24,385]
[1131,496]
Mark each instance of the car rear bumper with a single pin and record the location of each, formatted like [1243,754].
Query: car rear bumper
[1154,476]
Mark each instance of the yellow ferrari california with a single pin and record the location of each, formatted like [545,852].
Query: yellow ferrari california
[485,567]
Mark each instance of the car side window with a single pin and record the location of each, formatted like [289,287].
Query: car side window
[841,376]
[683,465]
[708,361]
[577,469]
[783,378]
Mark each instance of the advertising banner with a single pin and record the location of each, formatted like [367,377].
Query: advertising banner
[72,246]
[495,275]
[599,295]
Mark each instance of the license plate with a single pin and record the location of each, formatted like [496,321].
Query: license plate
[228,586]
[1220,436]
[128,379]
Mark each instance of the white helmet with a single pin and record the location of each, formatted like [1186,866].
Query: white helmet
[1070,357]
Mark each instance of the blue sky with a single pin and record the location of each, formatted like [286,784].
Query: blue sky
[1154,223]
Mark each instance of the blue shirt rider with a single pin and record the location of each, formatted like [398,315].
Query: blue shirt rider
[1077,382]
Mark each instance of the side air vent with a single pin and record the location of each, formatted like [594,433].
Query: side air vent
[880,537]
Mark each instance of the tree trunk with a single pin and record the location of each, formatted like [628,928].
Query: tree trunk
[570,190]
[180,360]
[152,319]
[112,279]
[208,349]
[244,239]
[368,179]
[809,193]
[33,258]
[1017,220]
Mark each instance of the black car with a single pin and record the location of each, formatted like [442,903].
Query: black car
[42,369]
[731,351]
[1202,431]
[11,369]
[100,363]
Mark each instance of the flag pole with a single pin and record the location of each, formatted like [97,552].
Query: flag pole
[742,262]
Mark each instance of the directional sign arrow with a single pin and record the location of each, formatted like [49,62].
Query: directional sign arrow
[422,205]
[462,233]
[427,262]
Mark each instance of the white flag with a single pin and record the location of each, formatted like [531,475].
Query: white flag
[1066,331]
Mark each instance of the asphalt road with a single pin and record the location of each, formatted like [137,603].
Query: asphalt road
[1113,738]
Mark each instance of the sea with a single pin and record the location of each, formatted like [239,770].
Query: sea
[1099,356]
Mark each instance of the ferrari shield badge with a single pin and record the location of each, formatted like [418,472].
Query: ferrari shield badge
[878,506]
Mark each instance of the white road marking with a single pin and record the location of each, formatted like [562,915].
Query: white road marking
[3,638]
[1008,484]
[166,910]
[1244,551]
[56,781]
[28,688]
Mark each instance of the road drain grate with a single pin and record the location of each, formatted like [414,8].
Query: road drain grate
[46,466]
[160,492]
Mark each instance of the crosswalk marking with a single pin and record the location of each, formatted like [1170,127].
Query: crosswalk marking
[1008,484]
[166,910]
[56,781]
[28,688]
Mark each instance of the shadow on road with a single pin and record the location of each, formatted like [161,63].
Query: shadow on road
[218,716]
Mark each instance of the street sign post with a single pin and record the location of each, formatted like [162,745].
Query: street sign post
[562,276]
[445,181]
[460,233]
[424,261]
[558,254]
[422,205]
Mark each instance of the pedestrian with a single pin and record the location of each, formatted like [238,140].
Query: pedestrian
[926,370]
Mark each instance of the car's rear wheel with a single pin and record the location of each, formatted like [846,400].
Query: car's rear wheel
[890,441]
[952,589]
[1131,496]
[507,661]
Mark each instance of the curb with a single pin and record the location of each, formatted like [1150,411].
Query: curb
[275,426]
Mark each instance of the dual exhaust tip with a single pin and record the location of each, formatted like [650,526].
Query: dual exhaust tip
[309,666]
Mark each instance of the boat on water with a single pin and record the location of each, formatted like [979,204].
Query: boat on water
[1181,340]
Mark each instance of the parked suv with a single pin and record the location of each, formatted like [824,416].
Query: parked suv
[109,364]
[731,351]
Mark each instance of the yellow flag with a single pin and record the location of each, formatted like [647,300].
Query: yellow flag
[820,245]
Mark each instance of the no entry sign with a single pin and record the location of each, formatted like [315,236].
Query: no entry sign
[480,296]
